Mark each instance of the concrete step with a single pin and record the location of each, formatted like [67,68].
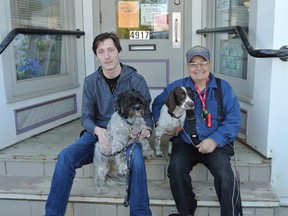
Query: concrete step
[36,156]
[30,193]
[26,169]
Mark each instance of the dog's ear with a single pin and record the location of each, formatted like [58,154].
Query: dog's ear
[170,101]
[190,93]
[119,105]
[139,97]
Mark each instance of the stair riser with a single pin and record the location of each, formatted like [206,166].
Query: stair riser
[155,171]
[31,208]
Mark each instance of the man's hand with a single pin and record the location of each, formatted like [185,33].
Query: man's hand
[101,133]
[172,132]
[145,133]
[206,146]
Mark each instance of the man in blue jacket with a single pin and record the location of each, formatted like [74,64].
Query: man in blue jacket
[100,92]
[203,139]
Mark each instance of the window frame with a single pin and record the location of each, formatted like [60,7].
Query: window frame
[242,87]
[29,88]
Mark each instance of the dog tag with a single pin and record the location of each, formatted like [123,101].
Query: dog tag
[204,115]
[203,118]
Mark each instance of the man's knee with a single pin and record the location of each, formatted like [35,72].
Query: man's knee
[225,173]
[136,155]
[64,157]
[176,166]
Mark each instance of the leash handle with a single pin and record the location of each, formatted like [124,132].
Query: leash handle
[126,197]
[137,136]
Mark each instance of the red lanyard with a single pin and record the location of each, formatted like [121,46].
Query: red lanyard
[202,98]
[206,115]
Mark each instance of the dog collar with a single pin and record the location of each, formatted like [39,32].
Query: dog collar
[126,120]
[172,115]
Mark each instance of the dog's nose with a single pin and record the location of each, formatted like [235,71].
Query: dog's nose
[136,107]
[191,105]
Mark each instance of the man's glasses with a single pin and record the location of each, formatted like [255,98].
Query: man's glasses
[203,64]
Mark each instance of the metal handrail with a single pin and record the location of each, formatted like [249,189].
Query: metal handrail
[12,34]
[282,53]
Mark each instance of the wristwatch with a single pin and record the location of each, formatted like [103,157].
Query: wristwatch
[149,133]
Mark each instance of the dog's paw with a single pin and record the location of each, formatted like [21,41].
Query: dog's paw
[159,154]
[115,180]
[101,187]
[122,169]
[149,155]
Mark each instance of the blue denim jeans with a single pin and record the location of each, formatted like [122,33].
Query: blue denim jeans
[81,153]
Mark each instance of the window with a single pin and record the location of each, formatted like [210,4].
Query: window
[40,64]
[41,13]
[142,19]
[232,60]
[36,55]
[230,56]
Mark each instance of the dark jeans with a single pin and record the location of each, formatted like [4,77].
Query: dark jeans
[183,158]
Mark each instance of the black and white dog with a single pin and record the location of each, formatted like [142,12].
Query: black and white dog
[173,114]
[127,119]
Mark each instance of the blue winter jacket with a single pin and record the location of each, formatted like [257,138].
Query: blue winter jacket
[98,103]
[221,133]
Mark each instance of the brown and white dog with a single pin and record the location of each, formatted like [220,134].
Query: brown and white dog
[173,114]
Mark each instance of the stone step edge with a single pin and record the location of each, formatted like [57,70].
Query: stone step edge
[117,201]
[157,161]
[254,194]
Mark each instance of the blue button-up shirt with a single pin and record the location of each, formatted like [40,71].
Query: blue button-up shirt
[222,133]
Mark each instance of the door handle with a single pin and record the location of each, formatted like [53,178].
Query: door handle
[176,29]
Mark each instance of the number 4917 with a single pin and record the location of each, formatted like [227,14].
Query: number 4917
[139,35]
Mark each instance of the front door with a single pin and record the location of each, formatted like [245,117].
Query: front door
[152,37]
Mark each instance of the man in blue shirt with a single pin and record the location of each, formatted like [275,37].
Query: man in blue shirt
[205,139]
[100,92]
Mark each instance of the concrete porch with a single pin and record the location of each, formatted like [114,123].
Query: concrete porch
[26,169]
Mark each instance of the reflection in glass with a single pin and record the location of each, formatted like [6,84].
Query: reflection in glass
[37,55]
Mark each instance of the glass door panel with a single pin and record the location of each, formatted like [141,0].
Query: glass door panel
[142,19]
[232,58]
